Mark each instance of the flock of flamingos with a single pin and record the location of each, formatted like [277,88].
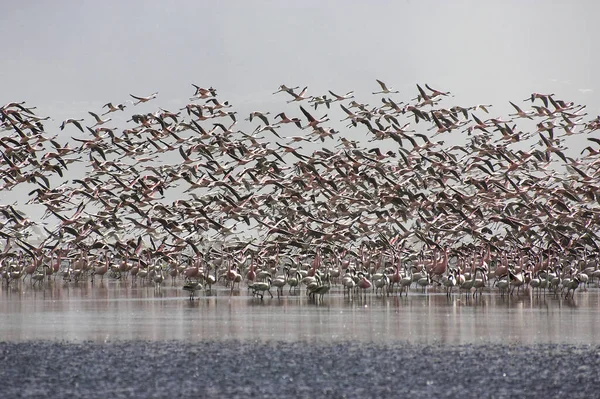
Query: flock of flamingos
[405,195]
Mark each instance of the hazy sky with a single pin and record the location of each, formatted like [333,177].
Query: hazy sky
[71,57]
[68,57]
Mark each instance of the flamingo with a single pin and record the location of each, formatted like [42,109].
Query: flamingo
[101,270]
[299,97]
[424,281]
[259,288]
[30,269]
[395,278]
[450,282]
[192,271]
[312,122]
[516,280]
[294,281]
[406,281]
[286,89]
[192,287]
[73,122]
[158,277]
[280,282]
[520,113]
[285,120]
[346,96]
[381,283]
[348,283]
[112,108]
[319,289]
[232,276]
[144,99]
[480,283]
[571,286]
[251,274]
[99,121]
[503,284]
[439,269]
[535,282]
[384,88]
[38,277]
[364,283]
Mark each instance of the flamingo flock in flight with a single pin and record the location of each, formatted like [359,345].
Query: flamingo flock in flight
[428,195]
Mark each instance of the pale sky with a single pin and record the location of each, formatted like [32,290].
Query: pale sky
[71,57]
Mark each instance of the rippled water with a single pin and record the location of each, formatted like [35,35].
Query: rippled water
[117,310]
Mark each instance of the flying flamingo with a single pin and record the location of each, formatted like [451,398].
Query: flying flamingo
[384,88]
[144,99]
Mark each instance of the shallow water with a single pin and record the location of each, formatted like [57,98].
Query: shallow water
[117,310]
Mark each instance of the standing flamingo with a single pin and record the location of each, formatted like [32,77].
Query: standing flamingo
[364,283]
[101,270]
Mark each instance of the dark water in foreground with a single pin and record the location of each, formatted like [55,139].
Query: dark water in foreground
[113,311]
[242,369]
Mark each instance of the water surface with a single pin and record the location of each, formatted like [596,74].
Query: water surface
[118,310]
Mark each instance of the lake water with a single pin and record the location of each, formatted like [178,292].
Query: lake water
[117,310]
